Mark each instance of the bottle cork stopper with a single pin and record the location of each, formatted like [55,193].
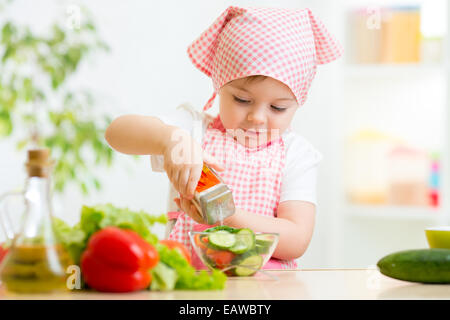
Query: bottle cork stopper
[38,163]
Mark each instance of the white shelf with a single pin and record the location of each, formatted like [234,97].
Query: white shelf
[389,70]
[394,212]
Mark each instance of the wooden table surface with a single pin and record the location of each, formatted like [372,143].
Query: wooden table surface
[355,284]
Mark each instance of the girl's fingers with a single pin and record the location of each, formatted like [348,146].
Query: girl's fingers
[170,175]
[194,176]
[196,215]
[183,176]
[177,201]
[212,162]
[174,179]
[193,213]
[181,203]
[190,209]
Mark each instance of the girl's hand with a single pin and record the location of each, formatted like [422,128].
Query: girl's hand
[189,208]
[183,163]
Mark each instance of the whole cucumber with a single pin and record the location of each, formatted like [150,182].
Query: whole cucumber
[420,265]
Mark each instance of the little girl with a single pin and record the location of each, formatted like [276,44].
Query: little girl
[262,62]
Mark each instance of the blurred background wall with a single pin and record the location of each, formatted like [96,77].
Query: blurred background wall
[352,106]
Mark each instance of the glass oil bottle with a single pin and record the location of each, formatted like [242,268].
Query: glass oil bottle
[36,262]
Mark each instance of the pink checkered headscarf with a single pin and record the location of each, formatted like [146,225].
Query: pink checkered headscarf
[285,44]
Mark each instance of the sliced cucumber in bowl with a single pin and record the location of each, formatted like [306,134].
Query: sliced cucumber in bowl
[263,246]
[244,251]
[222,239]
[248,264]
[245,240]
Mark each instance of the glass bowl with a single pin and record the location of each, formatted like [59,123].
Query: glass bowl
[236,254]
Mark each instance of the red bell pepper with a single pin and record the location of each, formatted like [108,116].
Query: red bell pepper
[118,260]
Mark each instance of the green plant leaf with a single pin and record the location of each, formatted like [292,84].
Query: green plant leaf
[6,126]
[43,99]
[22,144]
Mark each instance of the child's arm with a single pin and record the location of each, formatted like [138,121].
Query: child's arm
[141,135]
[294,222]
[146,135]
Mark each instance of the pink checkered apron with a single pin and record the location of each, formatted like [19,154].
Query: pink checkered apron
[254,176]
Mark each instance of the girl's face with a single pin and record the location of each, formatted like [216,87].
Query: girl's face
[256,112]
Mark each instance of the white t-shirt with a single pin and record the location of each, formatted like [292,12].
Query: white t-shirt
[302,159]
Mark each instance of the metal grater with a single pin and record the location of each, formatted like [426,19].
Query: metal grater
[216,202]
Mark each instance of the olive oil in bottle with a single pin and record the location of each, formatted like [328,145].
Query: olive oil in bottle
[36,262]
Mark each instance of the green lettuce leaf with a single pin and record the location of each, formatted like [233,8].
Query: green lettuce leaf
[95,218]
[101,216]
[164,277]
[72,238]
[188,277]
